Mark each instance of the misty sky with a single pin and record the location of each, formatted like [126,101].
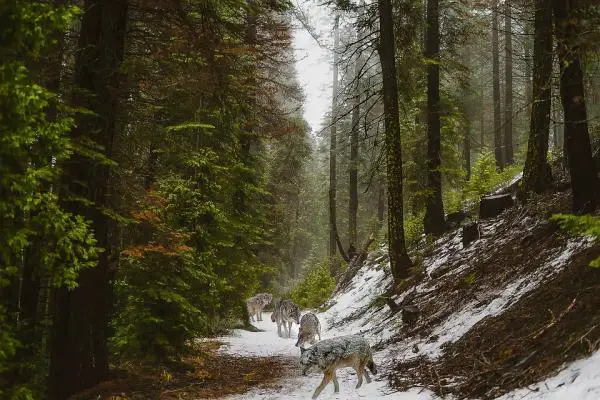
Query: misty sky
[313,62]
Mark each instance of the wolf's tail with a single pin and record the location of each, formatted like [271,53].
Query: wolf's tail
[372,367]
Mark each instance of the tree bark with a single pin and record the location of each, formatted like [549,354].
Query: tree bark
[528,64]
[582,169]
[381,202]
[399,260]
[537,175]
[433,221]
[333,153]
[353,188]
[498,152]
[508,95]
[79,352]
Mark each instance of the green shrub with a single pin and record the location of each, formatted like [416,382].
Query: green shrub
[582,225]
[485,177]
[315,288]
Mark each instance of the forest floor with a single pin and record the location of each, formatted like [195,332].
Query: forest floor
[514,315]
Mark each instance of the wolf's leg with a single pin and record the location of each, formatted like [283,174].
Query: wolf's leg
[336,384]
[289,329]
[367,377]
[326,379]
[359,372]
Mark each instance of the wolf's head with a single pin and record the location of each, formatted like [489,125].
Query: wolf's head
[303,337]
[266,298]
[308,361]
[306,334]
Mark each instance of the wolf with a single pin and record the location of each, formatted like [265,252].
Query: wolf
[309,327]
[276,316]
[256,304]
[330,354]
[289,312]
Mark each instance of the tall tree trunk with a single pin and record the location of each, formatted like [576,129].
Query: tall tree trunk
[353,189]
[433,221]
[399,260]
[380,202]
[79,353]
[508,89]
[537,175]
[467,149]
[528,64]
[481,122]
[333,153]
[248,139]
[582,169]
[498,152]
[47,70]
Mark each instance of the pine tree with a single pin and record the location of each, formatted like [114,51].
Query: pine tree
[399,259]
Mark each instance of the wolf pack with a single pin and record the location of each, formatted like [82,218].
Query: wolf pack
[325,356]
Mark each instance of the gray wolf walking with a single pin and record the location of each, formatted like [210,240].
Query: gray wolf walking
[330,354]
[256,304]
[309,327]
[276,316]
[289,312]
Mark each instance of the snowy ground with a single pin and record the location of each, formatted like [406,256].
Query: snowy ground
[267,343]
[369,282]
[579,380]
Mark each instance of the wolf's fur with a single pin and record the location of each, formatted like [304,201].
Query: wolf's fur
[256,304]
[289,312]
[309,327]
[330,354]
[276,316]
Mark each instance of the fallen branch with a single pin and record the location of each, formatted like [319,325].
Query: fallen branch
[179,389]
[580,339]
[354,265]
[555,320]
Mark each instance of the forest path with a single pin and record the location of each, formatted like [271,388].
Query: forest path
[293,385]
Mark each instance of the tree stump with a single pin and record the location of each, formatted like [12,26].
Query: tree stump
[470,233]
[410,314]
[456,218]
[492,206]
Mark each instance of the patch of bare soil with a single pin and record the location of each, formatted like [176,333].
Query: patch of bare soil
[204,374]
[557,322]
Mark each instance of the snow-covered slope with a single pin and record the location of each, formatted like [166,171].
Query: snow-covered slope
[579,380]
[366,285]
[445,318]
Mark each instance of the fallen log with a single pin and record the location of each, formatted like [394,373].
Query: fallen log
[492,206]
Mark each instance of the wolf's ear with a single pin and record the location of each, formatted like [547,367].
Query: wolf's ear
[302,350]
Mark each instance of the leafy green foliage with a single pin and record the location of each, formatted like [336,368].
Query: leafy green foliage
[32,145]
[485,177]
[315,288]
[581,225]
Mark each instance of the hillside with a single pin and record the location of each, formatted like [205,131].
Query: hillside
[514,314]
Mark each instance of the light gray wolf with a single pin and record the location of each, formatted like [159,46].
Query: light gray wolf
[330,354]
[256,304]
[289,312]
[309,327]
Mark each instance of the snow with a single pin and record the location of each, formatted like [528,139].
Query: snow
[354,312]
[369,282]
[579,380]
